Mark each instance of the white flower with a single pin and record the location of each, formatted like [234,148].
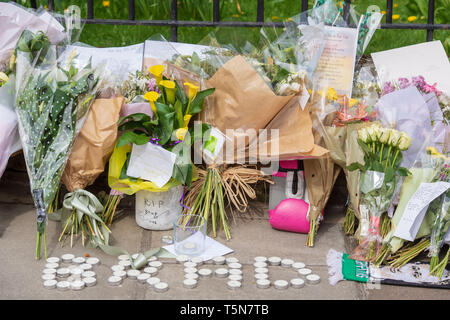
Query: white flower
[363,135]
[384,135]
[405,142]
[394,137]
[372,132]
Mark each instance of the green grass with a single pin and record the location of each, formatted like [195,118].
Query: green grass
[239,10]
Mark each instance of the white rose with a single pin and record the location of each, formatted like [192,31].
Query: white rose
[363,135]
[371,131]
[384,135]
[394,137]
[405,142]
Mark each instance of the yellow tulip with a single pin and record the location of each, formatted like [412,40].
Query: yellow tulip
[180,133]
[157,71]
[170,90]
[193,89]
[152,97]
[186,119]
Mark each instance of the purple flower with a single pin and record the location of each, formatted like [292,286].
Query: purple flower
[388,88]
[403,83]
[152,85]
[419,82]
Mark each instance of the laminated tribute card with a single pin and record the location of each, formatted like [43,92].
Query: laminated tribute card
[337,62]
[151,162]
[426,59]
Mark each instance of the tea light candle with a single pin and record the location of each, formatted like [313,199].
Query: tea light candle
[221,273]
[93,261]
[152,281]
[50,284]
[189,245]
[298,265]
[68,257]
[263,283]
[205,273]
[77,285]
[297,283]
[193,276]
[189,283]
[52,266]
[126,264]
[161,287]
[197,260]
[133,274]
[259,276]
[85,266]
[46,277]
[260,259]
[260,265]
[78,260]
[63,285]
[231,260]
[312,279]
[235,271]
[152,271]
[189,264]
[124,257]
[114,281]
[219,260]
[235,277]
[274,261]
[287,263]
[261,270]
[304,271]
[235,265]
[49,271]
[155,264]
[54,260]
[233,284]
[117,267]
[63,272]
[90,281]
[182,258]
[143,277]
[88,274]
[120,273]
[281,284]
[190,270]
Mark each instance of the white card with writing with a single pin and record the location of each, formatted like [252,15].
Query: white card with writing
[337,62]
[118,61]
[417,207]
[427,59]
[151,162]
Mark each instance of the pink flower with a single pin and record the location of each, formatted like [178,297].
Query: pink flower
[388,88]
[418,82]
[403,83]
[428,89]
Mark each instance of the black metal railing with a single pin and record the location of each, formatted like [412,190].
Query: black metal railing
[174,23]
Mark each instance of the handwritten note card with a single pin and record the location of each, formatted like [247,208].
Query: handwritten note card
[336,64]
[417,207]
[151,162]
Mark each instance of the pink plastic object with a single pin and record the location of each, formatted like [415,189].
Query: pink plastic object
[290,215]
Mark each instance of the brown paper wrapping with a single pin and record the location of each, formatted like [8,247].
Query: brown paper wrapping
[242,99]
[94,144]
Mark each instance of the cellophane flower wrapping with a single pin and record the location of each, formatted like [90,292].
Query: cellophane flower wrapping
[52,99]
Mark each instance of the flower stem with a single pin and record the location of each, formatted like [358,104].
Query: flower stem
[395,158]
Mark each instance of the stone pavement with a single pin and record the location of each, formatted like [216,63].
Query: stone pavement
[252,235]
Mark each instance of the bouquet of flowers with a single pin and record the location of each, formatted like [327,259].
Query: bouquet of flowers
[51,103]
[378,179]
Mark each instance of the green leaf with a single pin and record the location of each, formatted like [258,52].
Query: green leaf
[180,94]
[166,118]
[139,117]
[377,166]
[197,103]
[389,174]
[179,114]
[403,172]
[123,172]
[364,146]
[355,166]
[132,137]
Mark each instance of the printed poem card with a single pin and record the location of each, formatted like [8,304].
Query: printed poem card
[337,62]
[151,162]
